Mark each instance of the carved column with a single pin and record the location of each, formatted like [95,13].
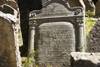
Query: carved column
[81,41]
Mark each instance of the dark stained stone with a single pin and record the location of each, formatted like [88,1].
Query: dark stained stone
[93,38]
[57,29]
[9,44]
[7,49]
[11,7]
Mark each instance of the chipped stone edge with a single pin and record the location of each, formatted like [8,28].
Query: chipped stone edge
[17,52]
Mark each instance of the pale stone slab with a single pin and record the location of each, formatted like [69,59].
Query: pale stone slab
[82,59]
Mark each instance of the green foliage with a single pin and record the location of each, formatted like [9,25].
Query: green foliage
[89,22]
[20,38]
[30,62]
[89,14]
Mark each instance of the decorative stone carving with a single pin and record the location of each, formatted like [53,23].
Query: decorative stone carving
[56,31]
[9,7]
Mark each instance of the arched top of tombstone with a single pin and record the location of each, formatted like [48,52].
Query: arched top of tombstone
[56,8]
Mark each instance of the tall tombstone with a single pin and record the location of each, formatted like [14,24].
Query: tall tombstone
[54,32]
[9,44]
[93,38]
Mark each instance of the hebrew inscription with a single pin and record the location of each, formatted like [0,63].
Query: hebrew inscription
[55,42]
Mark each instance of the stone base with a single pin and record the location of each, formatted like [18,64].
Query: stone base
[80,59]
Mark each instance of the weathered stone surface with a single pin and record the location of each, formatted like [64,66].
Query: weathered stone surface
[9,44]
[89,5]
[11,7]
[80,59]
[97,11]
[57,29]
[56,41]
[93,38]
[73,3]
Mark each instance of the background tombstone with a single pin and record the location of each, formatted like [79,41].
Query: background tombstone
[97,11]
[58,29]
[73,3]
[9,44]
[93,38]
[89,5]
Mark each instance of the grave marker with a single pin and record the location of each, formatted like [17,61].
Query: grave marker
[9,44]
[57,30]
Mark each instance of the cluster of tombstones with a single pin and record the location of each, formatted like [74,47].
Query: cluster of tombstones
[57,31]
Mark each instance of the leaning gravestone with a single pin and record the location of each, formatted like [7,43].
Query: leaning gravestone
[57,29]
[9,44]
[93,38]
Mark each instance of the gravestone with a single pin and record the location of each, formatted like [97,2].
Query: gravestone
[97,10]
[73,3]
[89,5]
[11,7]
[55,31]
[82,59]
[93,38]
[9,44]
